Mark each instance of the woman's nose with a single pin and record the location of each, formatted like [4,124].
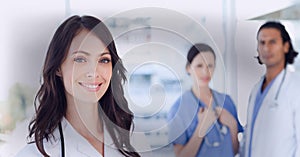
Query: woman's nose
[92,71]
[206,70]
[92,74]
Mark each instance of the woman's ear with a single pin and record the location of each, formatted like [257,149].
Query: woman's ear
[188,69]
[58,73]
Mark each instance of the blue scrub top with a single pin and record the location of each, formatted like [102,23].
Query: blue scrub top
[183,120]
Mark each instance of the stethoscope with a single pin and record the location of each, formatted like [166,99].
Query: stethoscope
[221,129]
[275,104]
[62,141]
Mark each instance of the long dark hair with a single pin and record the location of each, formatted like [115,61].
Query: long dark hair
[51,98]
[292,54]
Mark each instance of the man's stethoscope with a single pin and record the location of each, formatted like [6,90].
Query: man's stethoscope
[275,104]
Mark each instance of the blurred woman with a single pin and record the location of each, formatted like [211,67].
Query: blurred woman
[212,129]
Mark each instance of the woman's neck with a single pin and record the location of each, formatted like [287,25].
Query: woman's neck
[198,91]
[203,93]
[85,119]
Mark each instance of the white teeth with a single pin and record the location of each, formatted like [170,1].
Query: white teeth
[90,86]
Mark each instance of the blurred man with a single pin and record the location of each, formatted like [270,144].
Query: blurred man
[273,122]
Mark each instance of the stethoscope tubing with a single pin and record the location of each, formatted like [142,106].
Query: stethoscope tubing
[280,85]
[62,141]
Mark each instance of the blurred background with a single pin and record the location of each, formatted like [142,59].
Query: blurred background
[152,38]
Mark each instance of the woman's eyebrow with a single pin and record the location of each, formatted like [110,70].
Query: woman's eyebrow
[83,52]
[88,54]
[104,53]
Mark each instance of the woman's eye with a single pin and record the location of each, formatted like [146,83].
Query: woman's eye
[104,60]
[200,65]
[79,60]
[211,66]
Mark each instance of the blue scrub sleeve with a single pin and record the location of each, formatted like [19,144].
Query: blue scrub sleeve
[177,131]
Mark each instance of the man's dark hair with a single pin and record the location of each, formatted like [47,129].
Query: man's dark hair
[292,54]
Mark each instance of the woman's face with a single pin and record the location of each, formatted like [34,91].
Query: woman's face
[202,68]
[87,69]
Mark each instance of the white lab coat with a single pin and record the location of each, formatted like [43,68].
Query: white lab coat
[77,146]
[276,132]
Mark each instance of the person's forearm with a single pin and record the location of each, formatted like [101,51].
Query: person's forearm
[235,142]
[192,147]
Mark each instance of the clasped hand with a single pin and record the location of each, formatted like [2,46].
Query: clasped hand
[207,116]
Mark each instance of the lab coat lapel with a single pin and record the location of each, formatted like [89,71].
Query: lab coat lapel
[137,139]
[261,119]
[87,150]
[109,147]
[269,99]
[75,143]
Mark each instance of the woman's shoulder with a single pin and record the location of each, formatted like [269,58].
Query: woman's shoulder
[185,97]
[184,103]
[225,100]
[223,96]
[219,93]
[29,150]
[140,142]
[50,146]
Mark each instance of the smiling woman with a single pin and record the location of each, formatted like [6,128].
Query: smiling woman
[87,69]
[76,100]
